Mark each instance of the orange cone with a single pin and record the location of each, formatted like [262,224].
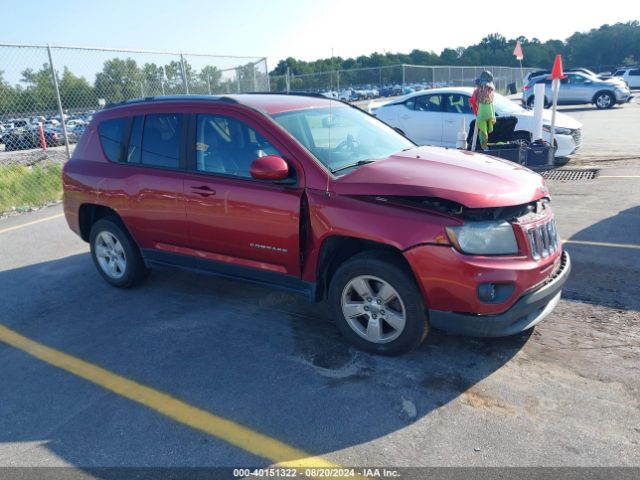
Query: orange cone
[556,72]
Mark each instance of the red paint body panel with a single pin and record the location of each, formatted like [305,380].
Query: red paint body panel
[474,180]
[257,224]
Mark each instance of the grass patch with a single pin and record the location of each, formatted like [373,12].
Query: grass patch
[22,187]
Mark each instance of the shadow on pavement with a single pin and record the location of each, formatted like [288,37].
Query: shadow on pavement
[607,275]
[263,358]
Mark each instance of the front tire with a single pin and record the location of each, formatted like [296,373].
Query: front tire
[377,305]
[604,100]
[115,254]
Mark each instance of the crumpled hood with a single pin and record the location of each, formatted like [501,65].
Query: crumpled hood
[471,179]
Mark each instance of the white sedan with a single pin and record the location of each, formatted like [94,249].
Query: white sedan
[433,117]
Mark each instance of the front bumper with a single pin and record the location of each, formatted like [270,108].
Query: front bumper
[526,312]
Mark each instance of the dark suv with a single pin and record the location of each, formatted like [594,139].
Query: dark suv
[317,197]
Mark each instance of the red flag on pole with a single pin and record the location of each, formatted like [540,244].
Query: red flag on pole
[518,51]
[556,71]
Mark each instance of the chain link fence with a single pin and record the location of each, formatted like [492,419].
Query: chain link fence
[49,94]
[363,83]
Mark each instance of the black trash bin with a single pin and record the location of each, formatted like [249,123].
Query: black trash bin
[512,87]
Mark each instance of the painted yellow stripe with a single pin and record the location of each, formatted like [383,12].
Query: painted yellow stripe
[227,430]
[22,225]
[603,244]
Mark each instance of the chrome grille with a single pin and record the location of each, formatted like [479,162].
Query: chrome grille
[543,239]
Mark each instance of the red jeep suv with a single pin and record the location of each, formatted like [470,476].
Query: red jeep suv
[318,197]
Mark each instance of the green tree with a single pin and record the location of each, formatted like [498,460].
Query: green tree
[119,80]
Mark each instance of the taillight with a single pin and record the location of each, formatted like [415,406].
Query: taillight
[527,87]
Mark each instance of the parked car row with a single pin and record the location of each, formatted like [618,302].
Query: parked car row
[24,133]
[433,117]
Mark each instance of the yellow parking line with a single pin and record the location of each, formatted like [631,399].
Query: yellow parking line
[604,244]
[22,225]
[231,432]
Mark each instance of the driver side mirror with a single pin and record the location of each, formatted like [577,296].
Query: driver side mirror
[270,167]
[588,82]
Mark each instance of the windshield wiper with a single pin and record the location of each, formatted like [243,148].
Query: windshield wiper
[351,165]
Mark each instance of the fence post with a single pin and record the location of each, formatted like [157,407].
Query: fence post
[57,89]
[266,71]
[255,80]
[287,81]
[184,75]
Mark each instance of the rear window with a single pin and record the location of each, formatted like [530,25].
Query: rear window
[113,137]
[619,73]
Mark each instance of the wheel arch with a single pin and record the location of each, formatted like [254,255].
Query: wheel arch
[90,213]
[337,249]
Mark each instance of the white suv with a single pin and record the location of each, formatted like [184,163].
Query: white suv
[630,75]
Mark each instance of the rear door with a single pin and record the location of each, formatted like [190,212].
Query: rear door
[422,119]
[232,217]
[145,185]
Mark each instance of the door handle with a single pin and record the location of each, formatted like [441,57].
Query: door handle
[450,121]
[203,190]
[404,117]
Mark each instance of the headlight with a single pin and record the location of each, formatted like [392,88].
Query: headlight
[484,238]
[559,130]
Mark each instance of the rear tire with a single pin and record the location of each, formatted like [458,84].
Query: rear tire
[377,304]
[115,254]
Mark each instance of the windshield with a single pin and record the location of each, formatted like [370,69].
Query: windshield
[342,136]
[504,106]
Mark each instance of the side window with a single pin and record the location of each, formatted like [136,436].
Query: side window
[429,103]
[456,103]
[410,104]
[161,140]
[635,72]
[228,146]
[135,141]
[619,73]
[113,136]
[576,79]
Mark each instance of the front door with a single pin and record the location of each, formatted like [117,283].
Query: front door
[456,108]
[232,217]
[421,119]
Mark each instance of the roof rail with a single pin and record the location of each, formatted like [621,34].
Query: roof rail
[169,98]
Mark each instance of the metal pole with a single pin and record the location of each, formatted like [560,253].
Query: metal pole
[238,79]
[403,75]
[209,83]
[255,79]
[555,88]
[266,72]
[287,81]
[184,75]
[57,89]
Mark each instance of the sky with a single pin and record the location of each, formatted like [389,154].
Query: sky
[306,30]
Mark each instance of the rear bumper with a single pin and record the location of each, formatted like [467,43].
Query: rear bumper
[526,312]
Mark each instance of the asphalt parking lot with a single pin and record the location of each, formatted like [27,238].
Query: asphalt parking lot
[189,370]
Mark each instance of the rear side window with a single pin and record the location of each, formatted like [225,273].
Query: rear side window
[634,73]
[113,137]
[161,140]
